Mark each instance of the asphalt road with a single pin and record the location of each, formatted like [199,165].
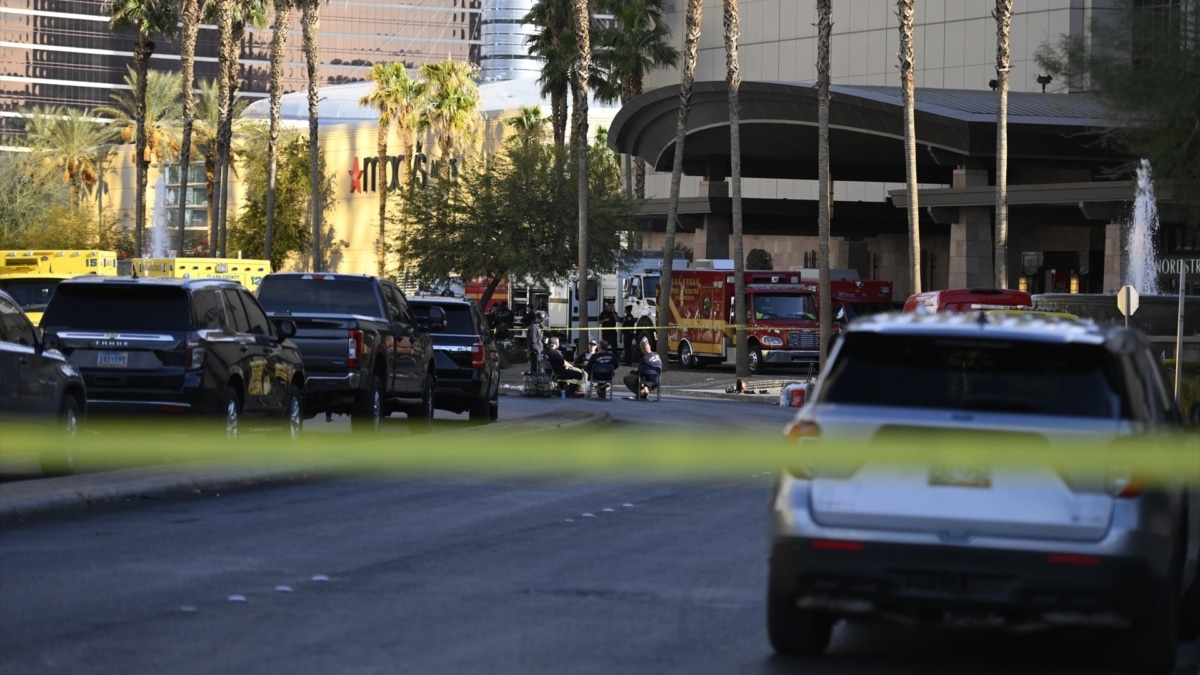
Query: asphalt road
[438,574]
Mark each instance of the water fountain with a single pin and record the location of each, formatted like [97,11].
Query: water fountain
[1141,272]
[159,240]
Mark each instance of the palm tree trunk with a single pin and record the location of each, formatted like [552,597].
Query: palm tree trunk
[733,78]
[279,33]
[141,62]
[189,16]
[310,21]
[824,30]
[382,186]
[224,37]
[583,62]
[1003,16]
[558,115]
[225,132]
[691,42]
[907,66]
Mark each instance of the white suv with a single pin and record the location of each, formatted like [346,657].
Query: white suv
[975,469]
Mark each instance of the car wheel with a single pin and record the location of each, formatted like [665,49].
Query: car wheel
[368,412]
[60,461]
[646,331]
[422,414]
[293,412]
[231,412]
[756,361]
[794,631]
[1149,646]
[480,410]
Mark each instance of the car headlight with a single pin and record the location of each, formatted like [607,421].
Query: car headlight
[771,341]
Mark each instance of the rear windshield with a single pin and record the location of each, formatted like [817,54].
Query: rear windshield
[319,296]
[31,294]
[125,307]
[972,374]
[458,319]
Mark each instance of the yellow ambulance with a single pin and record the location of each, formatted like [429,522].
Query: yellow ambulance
[30,277]
[248,272]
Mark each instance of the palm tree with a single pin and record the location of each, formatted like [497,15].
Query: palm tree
[636,42]
[582,20]
[451,106]
[279,33]
[72,141]
[529,126]
[310,21]
[907,66]
[147,18]
[189,20]
[734,79]
[393,90]
[204,139]
[1003,16]
[824,30]
[691,42]
[160,114]
[553,43]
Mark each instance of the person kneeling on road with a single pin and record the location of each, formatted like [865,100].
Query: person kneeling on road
[651,364]
[558,363]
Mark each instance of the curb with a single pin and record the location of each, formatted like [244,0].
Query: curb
[25,499]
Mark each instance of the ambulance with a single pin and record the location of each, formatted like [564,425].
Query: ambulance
[781,322]
[30,277]
[967,300]
[248,272]
[852,297]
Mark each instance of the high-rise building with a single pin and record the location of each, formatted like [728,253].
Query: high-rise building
[62,52]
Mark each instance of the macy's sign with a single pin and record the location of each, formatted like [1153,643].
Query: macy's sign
[367,177]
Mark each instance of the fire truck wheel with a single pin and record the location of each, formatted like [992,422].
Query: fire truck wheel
[756,361]
[687,357]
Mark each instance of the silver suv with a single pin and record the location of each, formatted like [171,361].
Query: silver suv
[982,470]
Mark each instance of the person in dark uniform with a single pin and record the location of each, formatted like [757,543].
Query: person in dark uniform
[628,323]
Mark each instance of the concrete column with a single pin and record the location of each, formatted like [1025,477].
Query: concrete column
[1114,257]
[971,263]
[717,229]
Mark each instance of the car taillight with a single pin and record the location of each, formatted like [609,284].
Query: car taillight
[1072,559]
[1122,483]
[477,356]
[193,352]
[354,344]
[801,429]
[837,545]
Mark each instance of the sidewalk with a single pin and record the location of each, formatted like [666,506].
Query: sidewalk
[683,382]
[24,499]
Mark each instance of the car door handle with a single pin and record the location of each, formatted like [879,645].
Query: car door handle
[22,359]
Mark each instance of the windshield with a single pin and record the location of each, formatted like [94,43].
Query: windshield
[31,294]
[984,374]
[784,306]
[125,307]
[349,295]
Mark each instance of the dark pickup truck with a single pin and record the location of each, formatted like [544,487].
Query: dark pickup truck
[365,353]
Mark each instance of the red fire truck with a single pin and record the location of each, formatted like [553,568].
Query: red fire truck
[781,321]
[852,297]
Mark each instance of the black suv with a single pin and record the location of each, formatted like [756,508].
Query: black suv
[38,388]
[201,347]
[468,362]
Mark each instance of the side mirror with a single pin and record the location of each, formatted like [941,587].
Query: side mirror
[287,328]
[50,342]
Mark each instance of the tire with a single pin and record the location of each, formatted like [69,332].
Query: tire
[420,417]
[231,412]
[1149,646]
[494,407]
[646,331]
[293,412]
[480,410]
[368,410]
[756,361]
[794,631]
[687,357]
[60,461]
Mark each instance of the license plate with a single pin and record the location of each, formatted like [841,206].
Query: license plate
[960,477]
[112,359]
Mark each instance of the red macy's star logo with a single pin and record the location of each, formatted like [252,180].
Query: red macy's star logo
[355,178]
